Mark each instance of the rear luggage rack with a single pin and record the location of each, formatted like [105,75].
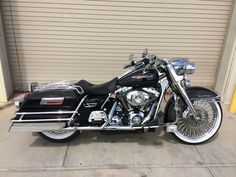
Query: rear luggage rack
[58,116]
[34,87]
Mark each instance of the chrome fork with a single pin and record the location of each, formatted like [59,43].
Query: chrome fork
[177,82]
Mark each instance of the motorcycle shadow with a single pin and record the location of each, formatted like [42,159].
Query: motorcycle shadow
[87,137]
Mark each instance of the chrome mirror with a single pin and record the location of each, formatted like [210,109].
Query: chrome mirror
[145,53]
[131,57]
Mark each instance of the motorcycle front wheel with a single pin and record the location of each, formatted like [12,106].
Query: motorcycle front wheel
[59,136]
[192,131]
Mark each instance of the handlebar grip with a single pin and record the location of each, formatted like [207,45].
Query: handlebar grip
[132,63]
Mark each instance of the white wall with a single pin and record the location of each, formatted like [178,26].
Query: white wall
[5,78]
[231,82]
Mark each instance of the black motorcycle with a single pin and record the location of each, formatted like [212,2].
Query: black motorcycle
[131,102]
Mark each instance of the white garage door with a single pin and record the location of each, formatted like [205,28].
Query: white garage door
[51,40]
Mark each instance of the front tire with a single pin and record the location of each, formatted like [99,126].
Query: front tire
[193,131]
[59,136]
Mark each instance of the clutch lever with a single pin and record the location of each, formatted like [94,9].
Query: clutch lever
[129,65]
[126,66]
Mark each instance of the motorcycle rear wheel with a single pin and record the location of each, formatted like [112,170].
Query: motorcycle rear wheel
[59,136]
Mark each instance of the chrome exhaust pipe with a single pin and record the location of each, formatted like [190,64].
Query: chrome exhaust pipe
[104,128]
[36,127]
[58,126]
[112,128]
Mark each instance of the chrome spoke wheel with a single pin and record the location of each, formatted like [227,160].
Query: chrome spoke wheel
[191,130]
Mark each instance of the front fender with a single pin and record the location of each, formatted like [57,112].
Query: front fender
[197,93]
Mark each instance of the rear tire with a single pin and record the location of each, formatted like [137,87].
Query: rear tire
[59,136]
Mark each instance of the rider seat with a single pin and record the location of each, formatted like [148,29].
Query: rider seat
[101,89]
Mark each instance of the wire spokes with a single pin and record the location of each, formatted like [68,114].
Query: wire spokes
[192,128]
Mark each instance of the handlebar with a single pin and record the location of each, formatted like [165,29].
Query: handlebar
[146,60]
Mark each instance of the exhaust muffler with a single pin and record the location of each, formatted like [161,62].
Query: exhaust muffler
[36,127]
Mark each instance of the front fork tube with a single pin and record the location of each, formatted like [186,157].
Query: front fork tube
[177,108]
[177,82]
[188,101]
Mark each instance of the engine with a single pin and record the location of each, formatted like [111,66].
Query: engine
[139,98]
[138,105]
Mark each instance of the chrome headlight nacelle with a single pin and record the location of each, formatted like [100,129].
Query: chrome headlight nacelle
[182,66]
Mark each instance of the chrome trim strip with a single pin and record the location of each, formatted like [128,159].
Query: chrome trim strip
[44,101]
[53,99]
[104,103]
[42,120]
[56,112]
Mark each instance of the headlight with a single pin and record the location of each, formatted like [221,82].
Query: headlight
[182,66]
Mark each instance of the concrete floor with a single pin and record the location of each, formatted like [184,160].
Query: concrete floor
[95,154]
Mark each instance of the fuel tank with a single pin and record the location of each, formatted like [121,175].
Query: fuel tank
[140,78]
